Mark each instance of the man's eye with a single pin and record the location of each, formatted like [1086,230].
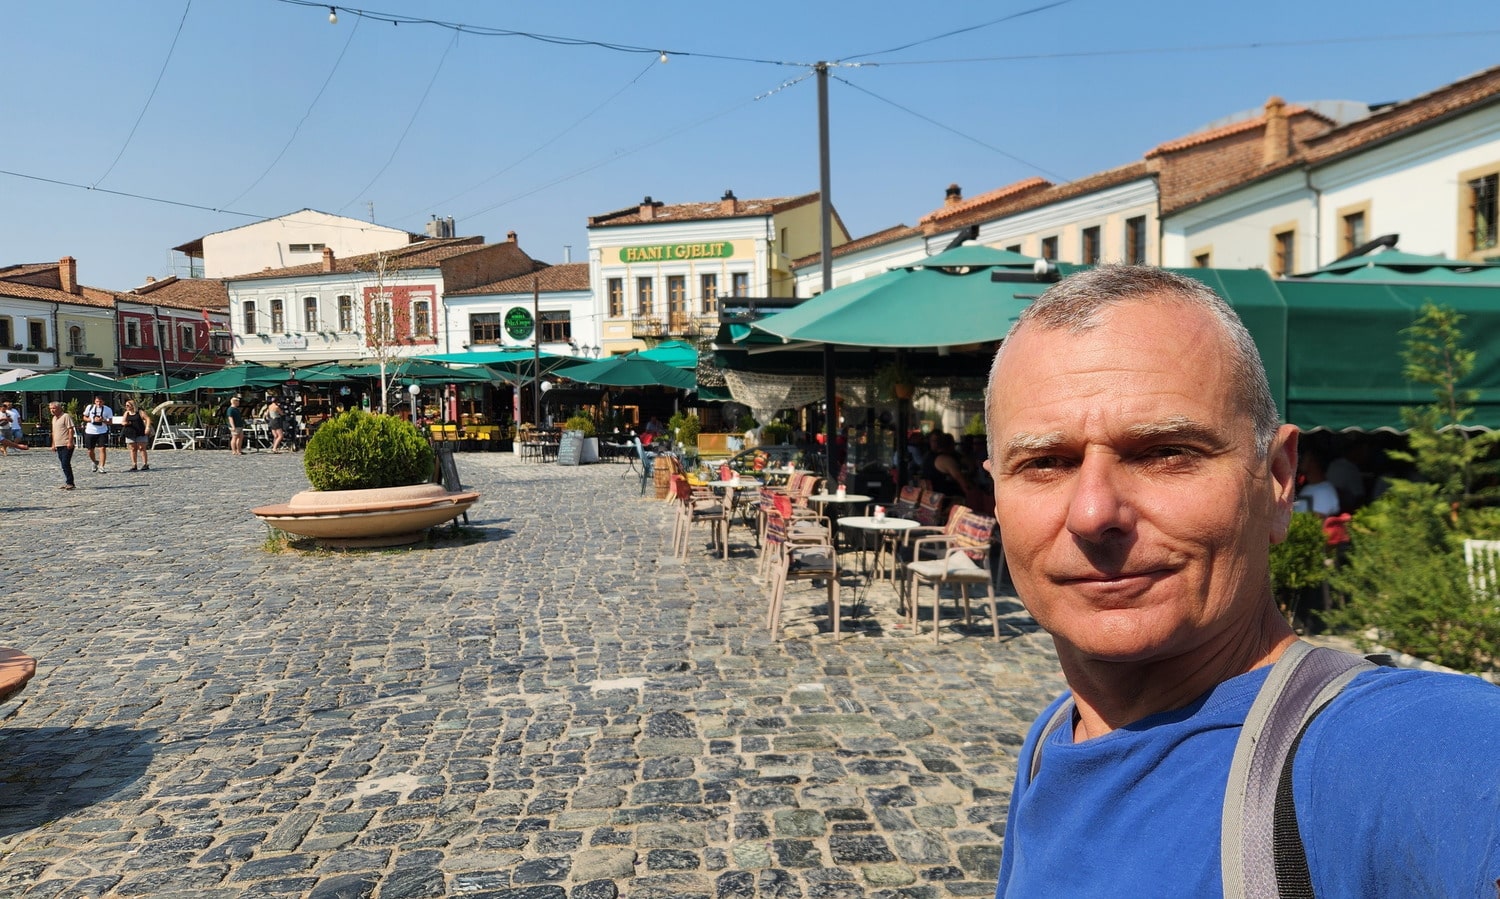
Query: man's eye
[1043,462]
[1167,452]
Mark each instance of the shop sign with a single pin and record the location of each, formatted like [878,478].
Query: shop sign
[518,323]
[677,252]
[288,342]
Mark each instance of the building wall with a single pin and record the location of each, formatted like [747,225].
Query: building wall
[1415,186]
[93,347]
[861,264]
[137,323]
[272,243]
[579,304]
[1236,229]
[333,339]
[1108,209]
[21,352]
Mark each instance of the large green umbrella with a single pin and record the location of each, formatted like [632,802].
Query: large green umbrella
[945,300]
[631,370]
[146,382]
[66,379]
[235,377]
[406,371]
[673,352]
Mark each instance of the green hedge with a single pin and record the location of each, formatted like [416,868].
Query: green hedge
[356,450]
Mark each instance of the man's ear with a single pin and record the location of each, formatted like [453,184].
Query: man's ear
[1282,483]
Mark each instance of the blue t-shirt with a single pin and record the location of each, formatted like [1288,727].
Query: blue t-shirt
[1397,789]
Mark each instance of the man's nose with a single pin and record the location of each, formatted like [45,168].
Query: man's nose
[1099,507]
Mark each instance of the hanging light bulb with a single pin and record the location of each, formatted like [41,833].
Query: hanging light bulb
[333,15]
[663,57]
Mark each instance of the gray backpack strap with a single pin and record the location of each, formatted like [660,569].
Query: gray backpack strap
[1063,715]
[1301,682]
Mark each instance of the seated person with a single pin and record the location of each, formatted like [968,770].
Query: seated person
[1321,496]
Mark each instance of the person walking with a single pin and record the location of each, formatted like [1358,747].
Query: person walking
[276,421]
[136,429]
[236,418]
[10,429]
[96,420]
[63,435]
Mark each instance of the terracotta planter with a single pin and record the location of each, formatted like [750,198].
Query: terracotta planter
[382,516]
[903,391]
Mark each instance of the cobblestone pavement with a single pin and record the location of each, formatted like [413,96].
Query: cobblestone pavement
[547,705]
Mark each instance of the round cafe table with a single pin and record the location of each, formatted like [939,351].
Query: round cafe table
[886,525]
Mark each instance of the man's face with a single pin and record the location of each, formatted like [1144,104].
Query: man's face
[1135,514]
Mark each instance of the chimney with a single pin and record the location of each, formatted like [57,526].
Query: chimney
[327,259]
[954,196]
[150,279]
[728,204]
[67,275]
[648,209]
[510,237]
[1277,142]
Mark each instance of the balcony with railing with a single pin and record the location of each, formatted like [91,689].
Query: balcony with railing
[677,324]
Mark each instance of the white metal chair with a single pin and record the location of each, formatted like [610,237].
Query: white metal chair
[1483,560]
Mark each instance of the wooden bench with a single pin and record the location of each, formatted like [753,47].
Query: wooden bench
[16,668]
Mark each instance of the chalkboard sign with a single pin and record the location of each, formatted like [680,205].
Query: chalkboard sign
[570,449]
[447,469]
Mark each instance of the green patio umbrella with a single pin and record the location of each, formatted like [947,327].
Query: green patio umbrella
[631,370]
[146,382]
[945,300]
[1394,266]
[66,379]
[678,353]
[407,371]
[235,377]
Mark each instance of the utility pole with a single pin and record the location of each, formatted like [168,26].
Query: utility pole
[536,341]
[825,214]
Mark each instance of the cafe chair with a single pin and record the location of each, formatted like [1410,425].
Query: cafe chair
[792,561]
[696,507]
[960,557]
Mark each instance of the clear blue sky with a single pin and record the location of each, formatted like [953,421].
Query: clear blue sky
[508,133]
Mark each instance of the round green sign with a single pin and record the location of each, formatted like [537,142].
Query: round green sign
[519,323]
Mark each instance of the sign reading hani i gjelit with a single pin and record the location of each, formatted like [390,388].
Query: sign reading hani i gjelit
[676,252]
[518,323]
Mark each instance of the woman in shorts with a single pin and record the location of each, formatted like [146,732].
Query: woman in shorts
[135,428]
[276,421]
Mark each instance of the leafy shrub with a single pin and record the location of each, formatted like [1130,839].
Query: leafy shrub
[746,422]
[774,433]
[580,422]
[1298,562]
[975,427]
[356,450]
[685,427]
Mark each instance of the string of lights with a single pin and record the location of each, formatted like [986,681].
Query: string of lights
[149,97]
[303,120]
[951,130]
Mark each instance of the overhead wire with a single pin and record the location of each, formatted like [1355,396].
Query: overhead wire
[957,31]
[409,122]
[305,116]
[147,105]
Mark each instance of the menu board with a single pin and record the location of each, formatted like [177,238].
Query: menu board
[570,449]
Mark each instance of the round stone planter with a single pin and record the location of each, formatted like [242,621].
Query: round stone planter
[354,519]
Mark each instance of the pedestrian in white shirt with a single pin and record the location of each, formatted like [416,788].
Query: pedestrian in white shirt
[96,420]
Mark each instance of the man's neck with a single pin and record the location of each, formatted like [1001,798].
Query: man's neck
[1110,695]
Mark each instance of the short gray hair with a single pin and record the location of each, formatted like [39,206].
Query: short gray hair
[1075,304]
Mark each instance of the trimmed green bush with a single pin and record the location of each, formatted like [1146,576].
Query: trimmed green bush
[357,450]
[580,422]
[686,427]
[775,433]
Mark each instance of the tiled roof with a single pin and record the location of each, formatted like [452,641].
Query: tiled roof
[1478,89]
[571,276]
[693,212]
[985,200]
[1039,193]
[182,293]
[879,238]
[39,281]
[424,254]
[1215,134]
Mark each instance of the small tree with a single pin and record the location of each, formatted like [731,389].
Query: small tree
[386,324]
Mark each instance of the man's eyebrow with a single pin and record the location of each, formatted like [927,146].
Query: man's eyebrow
[1025,442]
[1178,427]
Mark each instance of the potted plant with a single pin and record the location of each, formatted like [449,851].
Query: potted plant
[895,382]
[585,426]
[370,479]
[775,433]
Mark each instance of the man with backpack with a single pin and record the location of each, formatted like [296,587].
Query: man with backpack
[1141,475]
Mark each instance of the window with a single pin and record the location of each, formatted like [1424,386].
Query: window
[421,319]
[1014,248]
[1283,252]
[305,247]
[1353,231]
[645,296]
[484,327]
[187,338]
[249,316]
[708,288]
[739,284]
[76,344]
[557,326]
[1482,212]
[278,317]
[132,333]
[346,313]
[616,290]
[1203,259]
[164,335]
[677,294]
[1135,240]
[37,332]
[382,318]
[1049,248]
[5,335]
[1091,245]
[310,314]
